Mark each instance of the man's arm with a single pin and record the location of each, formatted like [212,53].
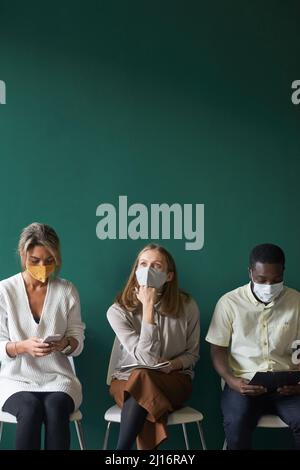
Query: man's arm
[219,355]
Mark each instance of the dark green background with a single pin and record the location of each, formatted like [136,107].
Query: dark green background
[163,101]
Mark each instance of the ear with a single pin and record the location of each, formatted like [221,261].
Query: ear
[170,276]
[249,273]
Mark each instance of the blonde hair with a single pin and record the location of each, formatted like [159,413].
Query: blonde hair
[172,297]
[39,234]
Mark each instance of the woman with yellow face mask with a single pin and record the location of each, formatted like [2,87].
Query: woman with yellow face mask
[40,324]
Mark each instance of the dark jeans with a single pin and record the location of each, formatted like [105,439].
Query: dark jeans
[32,409]
[241,414]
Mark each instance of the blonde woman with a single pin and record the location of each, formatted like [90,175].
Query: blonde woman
[37,384]
[154,321]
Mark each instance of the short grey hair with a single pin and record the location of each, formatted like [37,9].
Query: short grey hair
[39,234]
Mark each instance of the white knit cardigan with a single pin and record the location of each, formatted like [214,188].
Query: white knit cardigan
[60,314]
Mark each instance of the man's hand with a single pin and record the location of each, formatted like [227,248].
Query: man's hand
[242,386]
[289,390]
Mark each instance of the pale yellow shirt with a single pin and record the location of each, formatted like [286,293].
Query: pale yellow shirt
[259,337]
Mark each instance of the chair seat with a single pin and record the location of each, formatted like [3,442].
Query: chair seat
[76,416]
[184,415]
[181,416]
[8,418]
[271,421]
[113,414]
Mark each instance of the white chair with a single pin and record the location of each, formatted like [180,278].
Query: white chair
[265,421]
[75,418]
[182,416]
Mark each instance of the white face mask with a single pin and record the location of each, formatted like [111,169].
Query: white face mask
[150,277]
[267,292]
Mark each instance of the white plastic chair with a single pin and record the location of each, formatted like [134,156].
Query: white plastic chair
[265,421]
[181,416]
[75,418]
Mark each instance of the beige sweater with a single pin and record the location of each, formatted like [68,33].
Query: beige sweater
[168,338]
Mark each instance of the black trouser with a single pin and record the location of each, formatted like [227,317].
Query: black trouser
[32,409]
[241,414]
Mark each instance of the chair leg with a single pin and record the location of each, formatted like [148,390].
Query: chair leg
[201,434]
[187,445]
[106,435]
[79,432]
[1,430]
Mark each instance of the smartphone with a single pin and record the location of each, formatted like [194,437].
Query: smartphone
[52,338]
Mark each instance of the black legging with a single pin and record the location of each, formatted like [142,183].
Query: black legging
[132,420]
[32,409]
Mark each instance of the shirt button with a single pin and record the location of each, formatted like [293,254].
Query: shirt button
[265,343]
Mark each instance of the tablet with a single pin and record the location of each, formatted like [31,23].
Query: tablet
[273,380]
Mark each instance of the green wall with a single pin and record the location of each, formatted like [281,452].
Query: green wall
[162,101]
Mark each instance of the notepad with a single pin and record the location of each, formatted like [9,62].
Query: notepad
[158,366]
[273,380]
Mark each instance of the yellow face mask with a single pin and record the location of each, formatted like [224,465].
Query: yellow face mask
[41,273]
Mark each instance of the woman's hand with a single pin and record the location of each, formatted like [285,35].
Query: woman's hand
[34,346]
[175,364]
[167,369]
[59,345]
[146,295]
